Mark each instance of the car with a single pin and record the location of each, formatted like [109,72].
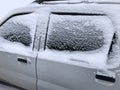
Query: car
[62,45]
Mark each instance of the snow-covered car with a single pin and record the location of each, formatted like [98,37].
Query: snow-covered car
[62,45]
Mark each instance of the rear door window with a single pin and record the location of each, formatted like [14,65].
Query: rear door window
[78,33]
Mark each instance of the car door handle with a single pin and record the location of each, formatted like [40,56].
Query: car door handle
[23,60]
[106,77]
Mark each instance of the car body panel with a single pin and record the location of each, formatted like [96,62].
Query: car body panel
[55,74]
[69,75]
[61,76]
[18,61]
[18,73]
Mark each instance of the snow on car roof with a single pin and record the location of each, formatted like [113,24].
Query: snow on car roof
[87,1]
[84,0]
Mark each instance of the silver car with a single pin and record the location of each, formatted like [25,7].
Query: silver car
[62,45]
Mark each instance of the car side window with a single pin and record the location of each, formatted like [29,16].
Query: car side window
[78,33]
[19,29]
[16,32]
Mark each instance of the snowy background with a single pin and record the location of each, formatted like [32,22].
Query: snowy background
[7,6]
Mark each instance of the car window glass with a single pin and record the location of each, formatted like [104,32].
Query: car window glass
[78,33]
[19,29]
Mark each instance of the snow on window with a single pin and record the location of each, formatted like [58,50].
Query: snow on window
[19,29]
[16,32]
[76,33]
[89,37]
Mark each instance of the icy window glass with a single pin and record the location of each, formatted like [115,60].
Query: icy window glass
[19,29]
[77,33]
[16,32]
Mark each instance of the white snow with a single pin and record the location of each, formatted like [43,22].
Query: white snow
[82,33]
[7,6]
[16,47]
[104,1]
[110,23]
[96,58]
[92,57]
[83,1]
[29,20]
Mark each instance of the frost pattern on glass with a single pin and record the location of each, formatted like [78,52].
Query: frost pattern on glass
[75,35]
[16,32]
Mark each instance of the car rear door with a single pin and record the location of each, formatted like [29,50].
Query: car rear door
[17,55]
[60,66]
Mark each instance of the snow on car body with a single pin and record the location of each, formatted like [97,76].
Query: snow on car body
[62,45]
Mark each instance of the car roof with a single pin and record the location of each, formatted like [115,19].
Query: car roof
[88,1]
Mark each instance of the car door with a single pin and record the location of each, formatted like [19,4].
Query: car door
[17,55]
[75,53]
